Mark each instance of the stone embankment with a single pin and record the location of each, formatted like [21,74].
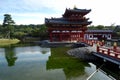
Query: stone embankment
[84,53]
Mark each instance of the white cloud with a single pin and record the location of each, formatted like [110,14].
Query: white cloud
[104,12]
[31,18]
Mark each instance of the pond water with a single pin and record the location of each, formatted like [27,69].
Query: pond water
[38,63]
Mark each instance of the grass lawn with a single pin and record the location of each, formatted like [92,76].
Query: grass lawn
[4,42]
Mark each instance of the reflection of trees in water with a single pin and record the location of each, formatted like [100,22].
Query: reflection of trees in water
[10,56]
[44,50]
[72,67]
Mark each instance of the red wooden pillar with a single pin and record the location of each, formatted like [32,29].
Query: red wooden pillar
[51,36]
[97,47]
[103,51]
[116,55]
[79,37]
[70,36]
[87,41]
[92,43]
[83,35]
[108,52]
[60,36]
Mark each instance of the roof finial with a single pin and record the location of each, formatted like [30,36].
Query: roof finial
[75,7]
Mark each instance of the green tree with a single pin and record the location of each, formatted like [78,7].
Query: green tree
[0,30]
[91,27]
[100,27]
[43,32]
[19,35]
[8,25]
[112,26]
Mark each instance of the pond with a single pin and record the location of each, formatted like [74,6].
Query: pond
[38,63]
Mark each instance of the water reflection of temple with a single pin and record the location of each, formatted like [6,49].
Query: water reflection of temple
[72,67]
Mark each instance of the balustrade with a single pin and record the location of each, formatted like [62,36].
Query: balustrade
[113,52]
[110,51]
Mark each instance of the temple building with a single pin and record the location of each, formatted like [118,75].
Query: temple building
[98,34]
[70,27]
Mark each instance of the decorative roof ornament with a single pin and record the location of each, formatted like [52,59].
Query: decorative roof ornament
[75,7]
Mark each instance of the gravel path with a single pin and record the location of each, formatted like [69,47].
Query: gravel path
[84,53]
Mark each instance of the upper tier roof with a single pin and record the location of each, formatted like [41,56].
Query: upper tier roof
[69,12]
[65,21]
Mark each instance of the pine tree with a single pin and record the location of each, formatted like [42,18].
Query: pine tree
[8,26]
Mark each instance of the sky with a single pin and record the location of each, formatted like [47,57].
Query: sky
[104,12]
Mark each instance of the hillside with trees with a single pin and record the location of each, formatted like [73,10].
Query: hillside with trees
[9,30]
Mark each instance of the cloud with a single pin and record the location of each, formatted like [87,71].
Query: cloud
[34,11]
[31,18]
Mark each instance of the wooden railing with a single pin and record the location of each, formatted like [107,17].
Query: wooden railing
[91,42]
[113,52]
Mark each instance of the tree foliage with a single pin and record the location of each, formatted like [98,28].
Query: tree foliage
[8,25]
[101,27]
[117,31]
[36,31]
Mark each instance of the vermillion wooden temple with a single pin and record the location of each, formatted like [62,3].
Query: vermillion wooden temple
[70,27]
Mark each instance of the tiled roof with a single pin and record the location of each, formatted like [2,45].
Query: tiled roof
[78,11]
[64,21]
[99,31]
